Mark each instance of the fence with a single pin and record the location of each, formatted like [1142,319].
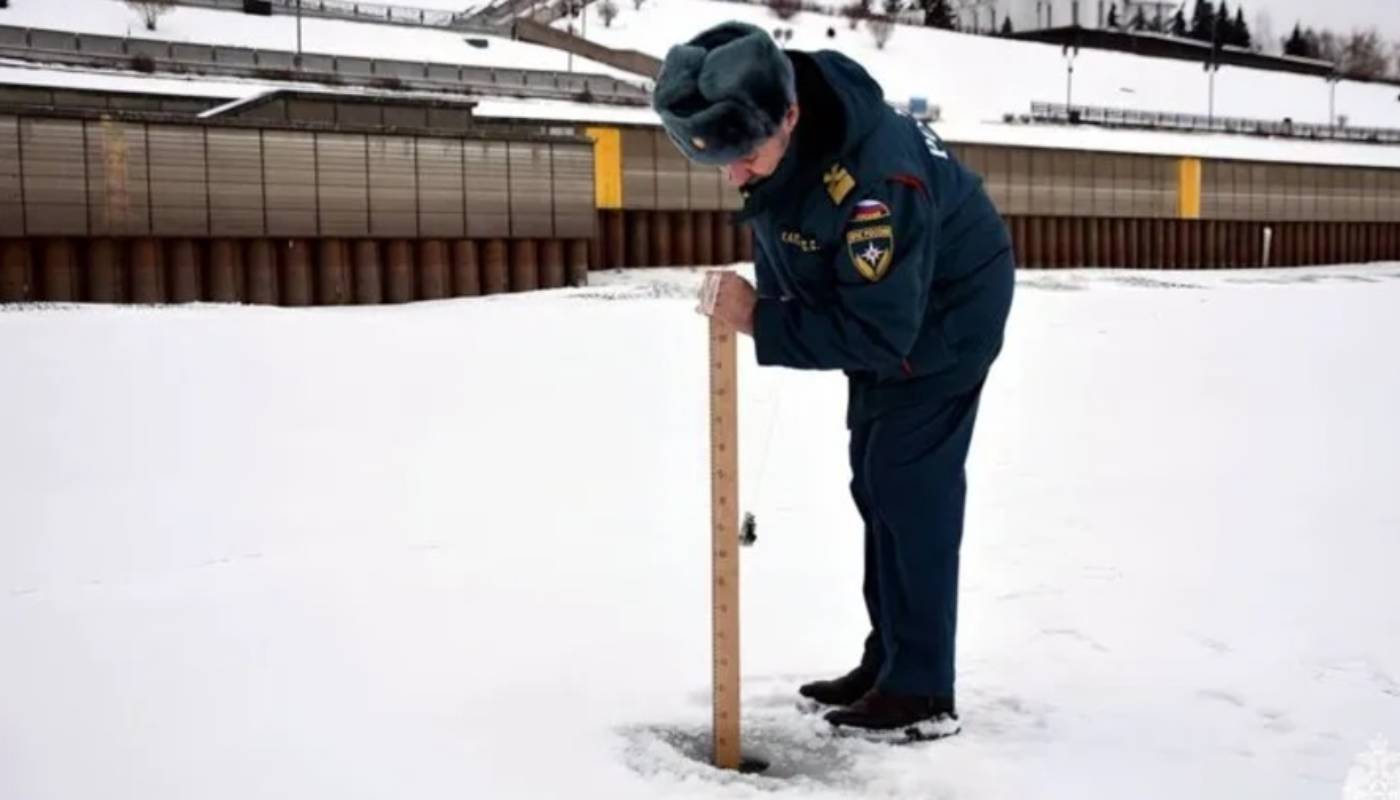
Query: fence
[36,44]
[379,13]
[1165,120]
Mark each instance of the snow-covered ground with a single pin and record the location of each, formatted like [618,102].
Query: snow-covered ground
[279,32]
[460,549]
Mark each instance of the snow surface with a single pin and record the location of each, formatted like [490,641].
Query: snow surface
[338,37]
[460,549]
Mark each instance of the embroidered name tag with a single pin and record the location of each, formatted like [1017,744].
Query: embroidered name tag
[804,243]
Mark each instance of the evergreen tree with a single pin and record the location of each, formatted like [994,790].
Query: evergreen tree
[1113,16]
[1202,20]
[938,14]
[1179,24]
[1295,44]
[1220,36]
[1006,29]
[1139,22]
[1239,30]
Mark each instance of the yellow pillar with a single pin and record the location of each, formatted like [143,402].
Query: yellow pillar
[607,166]
[1188,188]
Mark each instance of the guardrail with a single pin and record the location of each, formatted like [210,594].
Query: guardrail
[148,55]
[378,13]
[1165,120]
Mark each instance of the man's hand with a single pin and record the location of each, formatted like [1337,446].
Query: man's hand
[729,299]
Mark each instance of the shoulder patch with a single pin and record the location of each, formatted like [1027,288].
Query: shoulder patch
[839,183]
[871,249]
[869,211]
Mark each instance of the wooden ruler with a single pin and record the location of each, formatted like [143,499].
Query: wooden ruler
[724,515]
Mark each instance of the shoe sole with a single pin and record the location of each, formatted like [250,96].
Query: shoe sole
[926,731]
[809,706]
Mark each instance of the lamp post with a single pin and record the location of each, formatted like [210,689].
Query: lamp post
[298,58]
[1211,67]
[1069,56]
[1333,78]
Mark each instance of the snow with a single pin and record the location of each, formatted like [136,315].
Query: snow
[338,37]
[460,549]
[17,73]
[975,80]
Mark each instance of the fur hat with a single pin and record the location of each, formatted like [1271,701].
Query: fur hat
[723,92]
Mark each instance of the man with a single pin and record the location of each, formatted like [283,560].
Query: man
[879,255]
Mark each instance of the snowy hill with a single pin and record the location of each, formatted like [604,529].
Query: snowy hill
[459,550]
[339,37]
[980,78]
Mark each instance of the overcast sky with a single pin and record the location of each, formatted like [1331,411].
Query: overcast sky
[1340,15]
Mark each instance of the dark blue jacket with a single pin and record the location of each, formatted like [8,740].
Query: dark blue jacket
[877,253]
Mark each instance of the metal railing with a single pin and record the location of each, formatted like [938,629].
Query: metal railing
[149,55]
[379,13]
[1165,120]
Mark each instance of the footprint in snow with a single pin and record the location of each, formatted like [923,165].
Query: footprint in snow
[1221,696]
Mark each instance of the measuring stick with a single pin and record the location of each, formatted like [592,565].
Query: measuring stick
[724,544]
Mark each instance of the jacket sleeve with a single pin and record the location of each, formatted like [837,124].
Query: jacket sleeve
[880,298]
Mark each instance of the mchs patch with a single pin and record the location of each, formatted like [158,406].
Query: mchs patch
[871,248]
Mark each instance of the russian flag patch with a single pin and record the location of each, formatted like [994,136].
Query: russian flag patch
[869,211]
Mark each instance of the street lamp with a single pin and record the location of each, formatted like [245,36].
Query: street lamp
[1211,67]
[298,59]
[1333,78]
[1069,56]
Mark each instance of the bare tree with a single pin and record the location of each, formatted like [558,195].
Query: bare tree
[856,11]
[608,11]
[151,10]
[1264,39]
[881,29]
[785,9]
[1363,55]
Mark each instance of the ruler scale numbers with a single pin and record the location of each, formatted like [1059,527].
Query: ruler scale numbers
[724,515]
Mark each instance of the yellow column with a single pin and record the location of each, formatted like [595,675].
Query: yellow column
[1188,188]
[607,166]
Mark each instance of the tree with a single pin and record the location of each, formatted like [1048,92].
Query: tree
[1363,55]
[151,10]
[893,8]
[1139,22]
[1179,24]
[785,9]
[881,29]
[1202,20]
[856,11]
[938,14]
[1239,30]
[1325,45]
[1220,35]
[1295,44]
[1113,16]
[608,10]
[1262,39]
[1007,30]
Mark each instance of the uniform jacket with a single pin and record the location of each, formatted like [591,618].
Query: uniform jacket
[876,252]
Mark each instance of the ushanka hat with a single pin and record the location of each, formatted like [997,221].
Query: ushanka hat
[724,92]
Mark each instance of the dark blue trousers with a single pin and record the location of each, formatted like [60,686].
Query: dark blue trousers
[909,484]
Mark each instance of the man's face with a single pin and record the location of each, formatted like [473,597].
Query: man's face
[764,158]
